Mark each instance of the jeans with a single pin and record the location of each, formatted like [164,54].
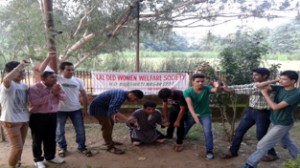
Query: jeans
[250,118]
[43,128]
[206,123]
[180,130]
[16,133]
[77,121]
[277,134]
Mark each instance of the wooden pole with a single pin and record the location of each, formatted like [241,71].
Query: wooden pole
[137,57]
[2,133]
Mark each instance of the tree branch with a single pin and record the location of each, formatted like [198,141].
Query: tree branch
[82,21]
[109,38]
[91,36]
[202,25]
[178,6]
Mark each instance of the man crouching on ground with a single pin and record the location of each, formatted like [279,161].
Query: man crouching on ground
[143,125]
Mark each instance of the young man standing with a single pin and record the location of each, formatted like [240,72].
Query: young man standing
[176,116]
[14,114]
[44,98]
[258,113]
[197,98]
[71,108]
[143,125]
[105,108]
[286,99]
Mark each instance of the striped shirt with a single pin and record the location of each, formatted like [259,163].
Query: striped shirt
[42,99]
[256,99]
[108,102]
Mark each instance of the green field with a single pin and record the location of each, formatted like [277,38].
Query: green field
[179,61]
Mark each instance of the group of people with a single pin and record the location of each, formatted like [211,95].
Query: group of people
[58,97]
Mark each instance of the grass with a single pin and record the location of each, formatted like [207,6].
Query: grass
[176,60]
[173,54]
[197,54]
[282,57]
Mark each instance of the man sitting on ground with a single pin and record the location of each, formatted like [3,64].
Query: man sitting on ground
[143,125]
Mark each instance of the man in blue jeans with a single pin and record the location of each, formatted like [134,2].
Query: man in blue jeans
[286,99]
[74,89]
[197,99]
[71,107]
[258,113]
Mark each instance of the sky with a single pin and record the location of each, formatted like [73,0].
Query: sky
[230,27]
[194,35]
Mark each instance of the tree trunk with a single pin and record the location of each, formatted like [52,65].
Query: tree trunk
[2,135]
[2,131]
[50,30]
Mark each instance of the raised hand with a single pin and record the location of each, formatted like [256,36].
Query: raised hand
[25,63]
[216,84]
[52,54]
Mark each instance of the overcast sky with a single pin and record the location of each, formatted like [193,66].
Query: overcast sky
[231,27]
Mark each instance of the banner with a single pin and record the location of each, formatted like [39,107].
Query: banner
[148,82]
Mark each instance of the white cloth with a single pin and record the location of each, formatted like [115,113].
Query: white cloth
[13,102]
[48,69]
[72,87]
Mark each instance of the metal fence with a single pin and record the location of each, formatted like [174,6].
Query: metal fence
[86,76]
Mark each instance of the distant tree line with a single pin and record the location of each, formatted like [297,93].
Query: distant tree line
[282,39]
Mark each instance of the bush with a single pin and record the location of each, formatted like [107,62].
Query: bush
[242,55]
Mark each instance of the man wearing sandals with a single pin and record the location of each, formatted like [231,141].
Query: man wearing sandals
[176,116]
[71,107]
[105,108]
[143,123]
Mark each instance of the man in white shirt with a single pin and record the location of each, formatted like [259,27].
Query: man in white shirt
[74,89]
[14,114]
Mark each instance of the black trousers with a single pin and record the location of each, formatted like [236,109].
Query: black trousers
[180,130]
[43,132]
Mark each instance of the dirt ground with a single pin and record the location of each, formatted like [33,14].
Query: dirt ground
[152,156]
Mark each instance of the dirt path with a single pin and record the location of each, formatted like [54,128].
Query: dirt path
[149,156]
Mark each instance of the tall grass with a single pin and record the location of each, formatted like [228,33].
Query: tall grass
[165,60]
[173,54]
[282,57]
[152,61]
